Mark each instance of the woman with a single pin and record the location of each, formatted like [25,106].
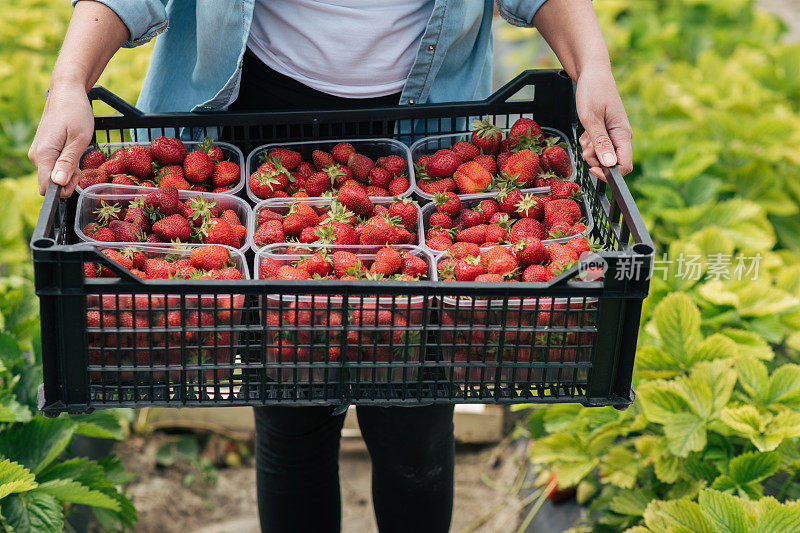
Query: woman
[293,54]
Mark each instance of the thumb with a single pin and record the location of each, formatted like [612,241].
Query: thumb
[601,141]
[67,163]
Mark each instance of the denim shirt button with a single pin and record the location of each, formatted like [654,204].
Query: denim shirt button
[431,47]
[411,101]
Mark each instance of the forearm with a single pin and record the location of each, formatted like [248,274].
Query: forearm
[571,29]
[94,35]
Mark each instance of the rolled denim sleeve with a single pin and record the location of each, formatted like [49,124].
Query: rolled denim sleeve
[519,12]
[144,18]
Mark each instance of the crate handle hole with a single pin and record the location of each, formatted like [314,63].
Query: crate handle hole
[44,243]
[643,249]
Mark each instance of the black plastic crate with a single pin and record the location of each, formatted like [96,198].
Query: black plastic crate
[567,340]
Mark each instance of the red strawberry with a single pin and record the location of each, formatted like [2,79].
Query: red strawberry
[225,173]
[502,158]
[271,231]
[439,242]
[137,161]
[441,220]
[118,257]
[113,166]
[125,231]
[461,250]
[567,206]
[173,228]
[578,245]
[379,177]
[338,174]
[123,179]
[159,269]
[318,183]
[508,199]
[559,229]
[378,231]
[161,202]
[266,214]
[406,209]
[536,274]
[213,151]
[227,273]
[531,250]
[503,264]
[398,186]
[412,265]
[472,178]
[344,262]
[135,255]
[353,197]
[522,167]
[92,176]
[360,165]
[197,166]
[525,227]
[212,257]
[468,269]
[556,160]
[342,151]
[488,162]
[393,163]
[92,160]
[469,218]
[267,268]
[490,278]
[474,234]
[176,181]
[560,254]
[290,272]
[300,216]
[560,189]
[443,164]
[496,234]
[371,190]
[525,133]
[305,169]
[289,159]
[488,207]
[218,231]
[197,210]
[466,151]
[530,206]
[322,159]
[166,151]
[387,261]
[230,217]
[486,136]
[577,228]
[442,185]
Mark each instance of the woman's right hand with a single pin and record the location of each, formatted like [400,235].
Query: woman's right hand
[64,132]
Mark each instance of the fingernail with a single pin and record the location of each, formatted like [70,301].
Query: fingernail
[609,160]
[60,177]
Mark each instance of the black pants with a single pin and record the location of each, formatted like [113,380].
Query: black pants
[297,448]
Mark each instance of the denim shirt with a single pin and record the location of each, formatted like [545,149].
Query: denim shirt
[197,61]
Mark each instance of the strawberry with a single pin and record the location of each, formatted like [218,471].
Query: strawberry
[448,203]
[508,198]
[318,183]
[556,159]
[439,242]
[92,160]
[125,231]
[503,264]
[214,152]
[468,269]
[578,245]
[486,136]
[269,232]
[466,151]
[159,269]
[471,178]
[442,185]
[135,255]
[577,229]
[536,274]
[522,167]
[166,151]
[446,269]
[212,257]
[387,261]
[494,252]
[559,229]
[113,166]
[461,250]
[502,158]
[308,235]
[266,214]
[398,186]
[412,265]
[496,234]
[161,202]
[371,190]
[474,234]
[378,231]
[300,216]
[108,212]
[440,220]
[561,254]
[344,262]
[270,177]
[341,152]
[305,169]
[197,210]
[488,162]
[392,163]
[560,189]
[360,165]
[531,251]
[545,179]
[173,228]
[567,206]
[406,209]
[343,234]
[225,173]
[123,179]
[524,133]
[230,216]
[217,231]
[137,161]
[176,181]
[118,257]
[525,227]
[227,273]
[490,278]
[197,166]
[488,207]
[470,217]
[289,159]
[437,232]
[443,164]
[267,268]
[353,197]
[530,206]
[290,272]
[338,174]
[379,177]
[322,159]
[92,176]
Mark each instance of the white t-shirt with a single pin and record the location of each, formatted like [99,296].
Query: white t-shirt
[347,48]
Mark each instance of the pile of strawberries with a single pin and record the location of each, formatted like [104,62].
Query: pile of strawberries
[204,262]
[530,261]
[161,217]
[526,158]
[508,218]
[164,162]
[351,218]
[387,263]
[283,173]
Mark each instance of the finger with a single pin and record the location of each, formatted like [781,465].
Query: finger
[590,156]
[67,191]
[624,152]
[44,167]
[67,163]
[598,172]
[601,141]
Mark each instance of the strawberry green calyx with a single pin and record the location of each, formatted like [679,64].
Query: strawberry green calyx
[205,146]
[333,172]
[503,220]
[374,276]
[106,212]
[485,129]
[421,173]
[339,213]
[534,143]
[325,233]
[201,207]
